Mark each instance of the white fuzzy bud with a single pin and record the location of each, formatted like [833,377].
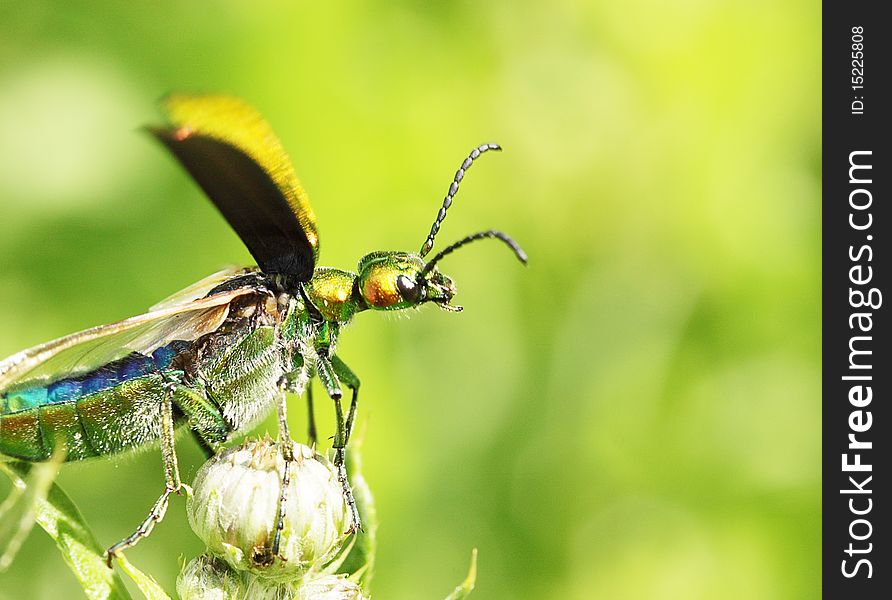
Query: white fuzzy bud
[327,587]
[236,502]
[210,578]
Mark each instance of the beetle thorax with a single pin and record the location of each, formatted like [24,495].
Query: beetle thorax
[331,293]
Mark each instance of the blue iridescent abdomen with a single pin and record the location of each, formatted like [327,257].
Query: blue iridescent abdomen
[71,389]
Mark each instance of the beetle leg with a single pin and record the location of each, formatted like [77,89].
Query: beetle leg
[144,529]
[207,426]
[288,454]
[349,378]
[326,372]
[311,418]
[206,448]
[173,484]
[298,382]
[282,410]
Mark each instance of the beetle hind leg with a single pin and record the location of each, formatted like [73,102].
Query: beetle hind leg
[144,529]
[173,484]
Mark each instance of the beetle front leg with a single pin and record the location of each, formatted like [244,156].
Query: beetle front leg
[173,484]
[326,372]
[349,378]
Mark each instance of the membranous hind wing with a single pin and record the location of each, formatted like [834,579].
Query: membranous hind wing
[93,348]
[102,390]
[203,287]
[238,161]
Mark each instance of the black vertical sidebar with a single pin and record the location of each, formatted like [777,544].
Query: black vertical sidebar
[857,335]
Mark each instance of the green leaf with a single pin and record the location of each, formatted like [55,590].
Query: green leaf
[463,590]
[146,584]
[17,513]
[59,517]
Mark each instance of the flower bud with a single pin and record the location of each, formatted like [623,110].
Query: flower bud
[326,587]
[208,578]
[235,506]
[329,587]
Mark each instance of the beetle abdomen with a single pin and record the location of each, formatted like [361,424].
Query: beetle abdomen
[70,389]
[105,422]
[108,410]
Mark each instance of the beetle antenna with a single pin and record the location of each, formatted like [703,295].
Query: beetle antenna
[453,190]
[498,235]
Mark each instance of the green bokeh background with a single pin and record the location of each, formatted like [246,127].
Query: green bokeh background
[634,415]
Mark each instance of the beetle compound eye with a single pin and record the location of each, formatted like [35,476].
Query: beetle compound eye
[409,290]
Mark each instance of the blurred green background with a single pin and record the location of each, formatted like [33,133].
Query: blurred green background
[634,415]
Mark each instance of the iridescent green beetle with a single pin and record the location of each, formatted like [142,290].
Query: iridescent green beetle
[221,354]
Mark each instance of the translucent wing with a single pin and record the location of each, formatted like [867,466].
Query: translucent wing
[239,162]
[202,288]
[92,348]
